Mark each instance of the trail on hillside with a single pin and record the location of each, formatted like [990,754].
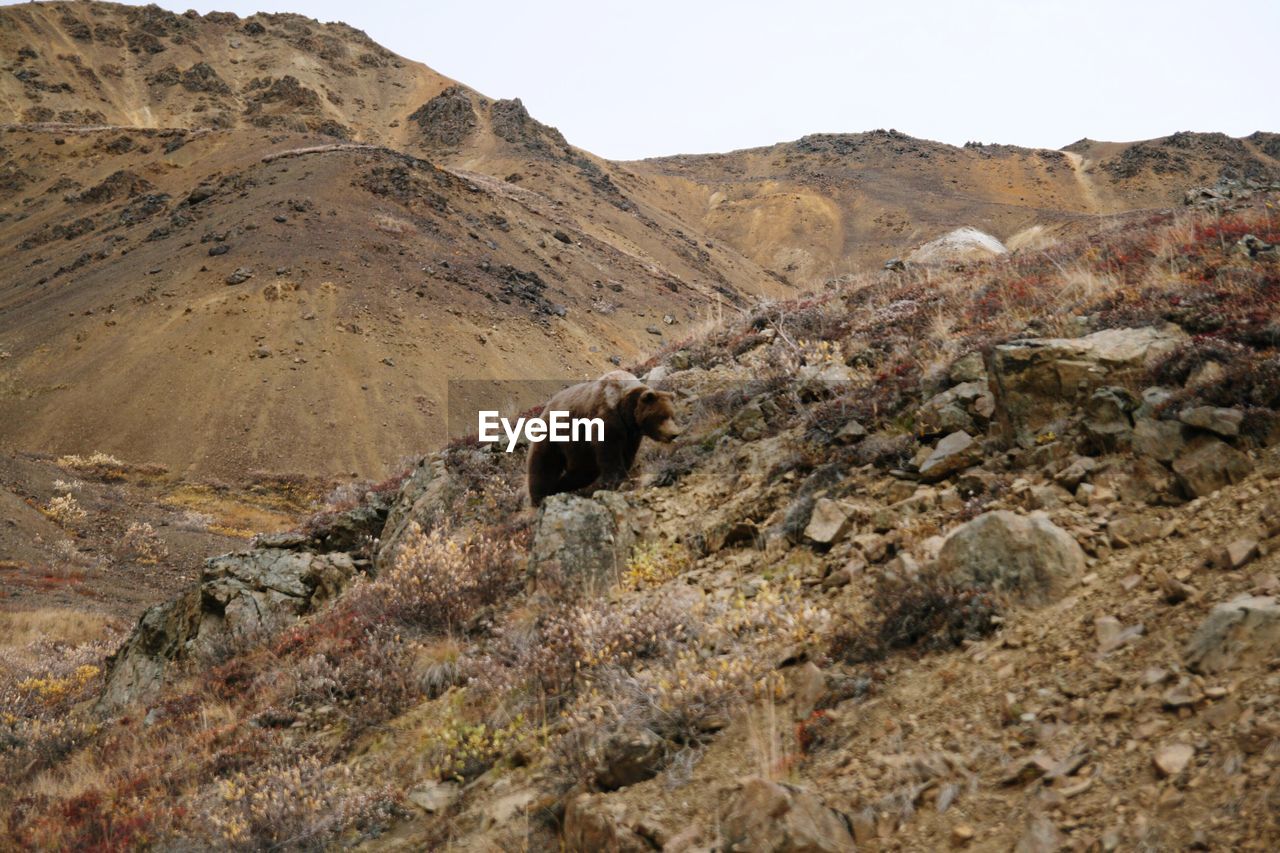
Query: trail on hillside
[1085,182]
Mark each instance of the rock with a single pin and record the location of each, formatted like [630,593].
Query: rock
[1237,554]
[240,276]
[1112,633]
[1209,373]
[954,453]
[1251,246]
[1076,472]
[1225,422]
[587,540]
[1152,399]
[1027,556]
[240,598]
[809,685]
[1208,464]
[220,249]
[657,374]
[828,523]
[1182,694]
[1242,630]
[434,797]
[1038,382]
[1172,758]
[424,498]
[968,368]
[763,816]
[1161,440]
[961,834]
[725,534]
[955,409]
[598,822]
[1048,497]
[1106,422]
[749,424]
[1147,481]
[629,757]
[1130,530]
[851,433]
[817,380]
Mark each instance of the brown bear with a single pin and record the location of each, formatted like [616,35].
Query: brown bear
[630,411]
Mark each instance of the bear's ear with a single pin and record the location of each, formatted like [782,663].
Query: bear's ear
[630,399]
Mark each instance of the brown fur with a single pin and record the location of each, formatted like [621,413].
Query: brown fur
[630,410]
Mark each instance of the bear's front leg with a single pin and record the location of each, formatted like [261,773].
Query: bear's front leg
[611,459]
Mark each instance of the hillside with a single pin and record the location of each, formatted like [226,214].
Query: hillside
[828,204]
[148,160]
[975,557]
[312,306]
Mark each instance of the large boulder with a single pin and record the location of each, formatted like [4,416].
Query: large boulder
[241,597]
[1039,383]
[1208,464]
[1245,629]
[585,541]
[1025,556]
[771,817]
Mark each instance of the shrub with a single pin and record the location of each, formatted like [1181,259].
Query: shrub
[438,584]
[65,509]
[929,613]
[142,544]
[294,804]
[654,563]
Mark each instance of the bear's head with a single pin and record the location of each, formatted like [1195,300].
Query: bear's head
[654,412]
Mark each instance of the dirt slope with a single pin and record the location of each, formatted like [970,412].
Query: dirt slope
[377,275]
[829,203]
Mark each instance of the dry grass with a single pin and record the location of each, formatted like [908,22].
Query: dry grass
[236,512]
[52,624]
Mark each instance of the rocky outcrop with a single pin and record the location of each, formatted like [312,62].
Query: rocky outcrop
[240,597]
[1026,557]
[1039,383]
[448,119]
[423,498]
[779,818]
[584,541]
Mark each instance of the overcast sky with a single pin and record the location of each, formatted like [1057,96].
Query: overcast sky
[630,80]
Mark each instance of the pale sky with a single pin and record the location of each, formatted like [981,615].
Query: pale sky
[631,80]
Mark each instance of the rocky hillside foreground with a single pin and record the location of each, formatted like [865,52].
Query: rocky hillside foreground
[979,555]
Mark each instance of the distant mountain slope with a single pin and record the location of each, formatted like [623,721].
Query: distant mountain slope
[828,202]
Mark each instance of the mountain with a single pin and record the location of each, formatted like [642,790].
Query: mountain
[828,204]
[269,243]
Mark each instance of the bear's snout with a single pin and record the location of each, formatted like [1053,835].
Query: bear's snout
[669,432]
